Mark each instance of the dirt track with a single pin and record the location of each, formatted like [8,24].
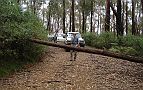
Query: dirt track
[88,72]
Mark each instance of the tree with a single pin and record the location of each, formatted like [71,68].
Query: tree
[73,16]
[64,16]
[126,17]
[107,18]
[49,18]
[83,19]
[133,18]
[91,13]
[119,22]
[142,5]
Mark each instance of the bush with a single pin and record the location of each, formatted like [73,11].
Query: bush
[124,50]
[16,28]
[89,37]
[101,41]
[130,44]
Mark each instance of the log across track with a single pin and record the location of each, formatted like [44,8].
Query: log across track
[55,71]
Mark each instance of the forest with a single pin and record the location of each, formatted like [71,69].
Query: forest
[114,25]
[111,57]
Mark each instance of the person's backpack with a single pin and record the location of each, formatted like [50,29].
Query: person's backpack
[74,40]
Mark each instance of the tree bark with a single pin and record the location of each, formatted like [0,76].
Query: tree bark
[91,23]
[107,18]
[142,15]
[70,27]
[133,18]
[119,23]
[142,5]
[73,24]
[64,16]
[93,51]
[49,19]
[83,19]
[34,7]
[18,2]
[126,17]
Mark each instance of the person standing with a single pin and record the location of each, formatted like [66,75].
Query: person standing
[74,43]
[55,37]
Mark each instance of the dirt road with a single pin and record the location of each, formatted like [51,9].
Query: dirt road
[88,72]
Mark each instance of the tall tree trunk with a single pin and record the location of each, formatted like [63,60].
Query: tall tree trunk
[43,12]
[70,28]
[83,21]
[49,19]
[98,23]
[142,5]
[64,16]
[133,18]
[18,2]
[119,23]
[58,24]
[91,13]
[126,17]
[123,11]
[107,18]
[80,22]
[142,13]
[83,18]
[73,24]
[34,7]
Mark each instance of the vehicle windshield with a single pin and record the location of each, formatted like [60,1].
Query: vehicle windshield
[71,35]
[60,35]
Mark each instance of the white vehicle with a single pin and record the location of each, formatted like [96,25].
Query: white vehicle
[50,37]
[69,36]
[60,37]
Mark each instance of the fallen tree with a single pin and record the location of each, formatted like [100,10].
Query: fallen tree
[91,50]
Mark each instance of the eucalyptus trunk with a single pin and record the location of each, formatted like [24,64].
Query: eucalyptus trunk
[91,13]
[133,18]
[64,16]
[119,23]
[126,17]
[73,24]
[107,18]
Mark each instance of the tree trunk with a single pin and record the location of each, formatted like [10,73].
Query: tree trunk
[107,18]
[91,23]
[70,28]
[83,21]
[49,19]
[123,11]
[93,51]
[18,2]
[119,23]
[73,24]
[80,22]
[133,18]
[43,12]
[34,7]
[64,16]
[126,17]
[142,5]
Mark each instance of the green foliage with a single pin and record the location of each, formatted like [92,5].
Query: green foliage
[132,45]
[103,40]
[124,50]
[89,37]
[16,28]
[136,42]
